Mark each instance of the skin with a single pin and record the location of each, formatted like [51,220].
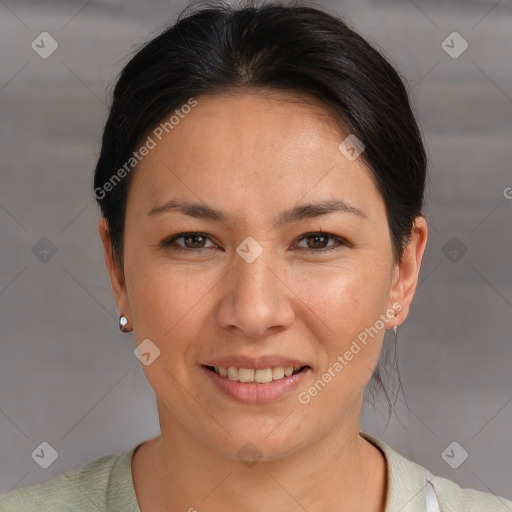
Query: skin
[254,155]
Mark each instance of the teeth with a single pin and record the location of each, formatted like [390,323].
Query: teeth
[262,375]
[278,373]
[245,375]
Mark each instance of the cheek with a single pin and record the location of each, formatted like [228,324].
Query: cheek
[164,300]
[348,301]
[347,295]
[163,303]
[168,309]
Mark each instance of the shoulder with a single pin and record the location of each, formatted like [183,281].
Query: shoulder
[452,497]
[407,488]
[86,488]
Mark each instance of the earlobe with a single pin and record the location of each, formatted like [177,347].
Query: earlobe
[406,272]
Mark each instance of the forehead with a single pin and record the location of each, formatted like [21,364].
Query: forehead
[250,147]
[248,123]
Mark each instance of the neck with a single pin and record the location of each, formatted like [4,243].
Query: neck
[340,472]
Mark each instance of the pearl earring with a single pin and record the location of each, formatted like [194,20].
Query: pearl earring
[123,322]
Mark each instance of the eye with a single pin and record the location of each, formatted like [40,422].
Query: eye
[193,241]
[317,241]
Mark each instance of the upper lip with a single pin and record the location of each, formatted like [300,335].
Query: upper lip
[264,361]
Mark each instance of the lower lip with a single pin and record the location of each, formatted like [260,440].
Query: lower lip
[255,393]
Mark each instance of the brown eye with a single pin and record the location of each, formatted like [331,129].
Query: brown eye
[194,241]
[318,241]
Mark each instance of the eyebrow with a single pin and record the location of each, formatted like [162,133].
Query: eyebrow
[295,214]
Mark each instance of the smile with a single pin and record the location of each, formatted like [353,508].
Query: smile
[256,386]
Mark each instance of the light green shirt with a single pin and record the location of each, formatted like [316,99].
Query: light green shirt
[106,484]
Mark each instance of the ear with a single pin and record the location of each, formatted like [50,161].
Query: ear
[406,273]
[117,279]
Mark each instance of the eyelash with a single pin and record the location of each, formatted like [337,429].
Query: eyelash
[167,243]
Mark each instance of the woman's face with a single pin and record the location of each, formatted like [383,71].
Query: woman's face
[248,287]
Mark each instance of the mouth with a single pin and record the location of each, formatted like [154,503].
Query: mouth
[256,376]
[257,386]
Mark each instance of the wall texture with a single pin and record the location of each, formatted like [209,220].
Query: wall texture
[68,377]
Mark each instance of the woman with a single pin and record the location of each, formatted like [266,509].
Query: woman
[261,180]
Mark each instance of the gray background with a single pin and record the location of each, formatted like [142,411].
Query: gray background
[69,377]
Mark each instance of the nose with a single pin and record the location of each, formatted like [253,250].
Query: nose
[256,298]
